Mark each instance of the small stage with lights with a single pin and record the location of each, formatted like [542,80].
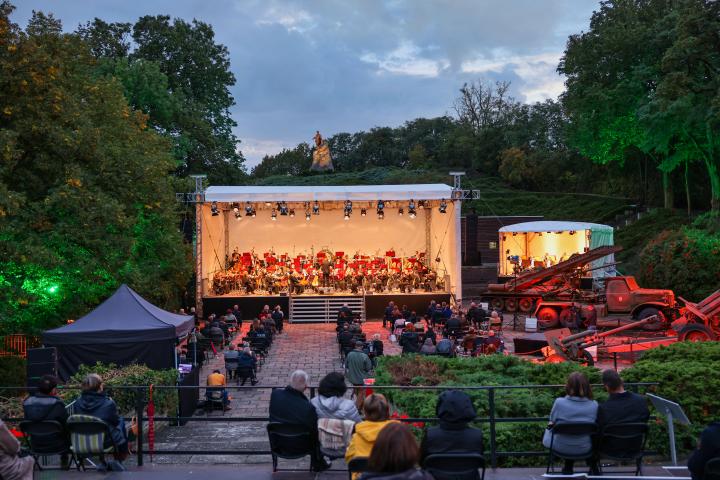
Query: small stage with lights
[323,308]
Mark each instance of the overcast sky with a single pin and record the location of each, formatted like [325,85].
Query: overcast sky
[350,65]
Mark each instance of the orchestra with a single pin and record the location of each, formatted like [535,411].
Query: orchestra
[248,273]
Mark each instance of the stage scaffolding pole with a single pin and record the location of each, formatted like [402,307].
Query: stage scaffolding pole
[196,198]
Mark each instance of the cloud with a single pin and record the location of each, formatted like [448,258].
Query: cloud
[406,59]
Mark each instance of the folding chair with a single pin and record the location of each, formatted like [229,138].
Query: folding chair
[455,466]
[213,399]
[624,442]
[289,442]
[47,438]
[243,373]
[88,437]
[570,429]
[712,469]
[357,465]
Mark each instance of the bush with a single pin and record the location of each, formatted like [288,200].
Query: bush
[12,373]
[165,400]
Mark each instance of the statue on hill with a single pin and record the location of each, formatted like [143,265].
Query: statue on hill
[322,160]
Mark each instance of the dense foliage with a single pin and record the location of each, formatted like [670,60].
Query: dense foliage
[681,370]
[86,200]
[12,373]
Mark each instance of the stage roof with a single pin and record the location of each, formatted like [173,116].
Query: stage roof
[432,191]
[555,226]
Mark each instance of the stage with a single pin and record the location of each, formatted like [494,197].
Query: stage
[372,305]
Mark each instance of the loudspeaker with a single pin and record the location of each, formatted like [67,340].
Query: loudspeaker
[472,256]
[40,361]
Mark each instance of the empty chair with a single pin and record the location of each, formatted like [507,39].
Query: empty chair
[455,466]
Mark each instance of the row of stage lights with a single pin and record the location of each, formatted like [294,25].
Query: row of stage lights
[284,210]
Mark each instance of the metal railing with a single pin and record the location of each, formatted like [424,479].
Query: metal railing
[492,419]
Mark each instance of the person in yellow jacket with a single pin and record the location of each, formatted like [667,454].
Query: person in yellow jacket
[377,411]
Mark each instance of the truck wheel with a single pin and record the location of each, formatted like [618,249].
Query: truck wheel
[525,305]
[658,324]
[566,319]
[510,305]
[587,358]
[547,318]
[695,332]
[497,303]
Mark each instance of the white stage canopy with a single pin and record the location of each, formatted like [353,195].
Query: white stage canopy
[561,239]
[433,191]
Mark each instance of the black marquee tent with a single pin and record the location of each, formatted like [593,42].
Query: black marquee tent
[124,329]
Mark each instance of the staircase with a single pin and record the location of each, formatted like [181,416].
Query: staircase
[323,309]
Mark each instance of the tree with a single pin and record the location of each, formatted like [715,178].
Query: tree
[288,162]
[86,202]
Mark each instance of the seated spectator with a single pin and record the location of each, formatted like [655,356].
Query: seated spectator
[264,313]
[377,347]
[331,402]
[453,326]
[437,317]
[376,410]
[428,348]
[230,318]
[576,406]
[346,340]
[395,456]
[217,380]
[231,361]
[345,309]
[468,341]
[430,333]
[12,465]
[708,447]
[492,343]
[355,327]
[409,340]
[453,435]
[446,311]
[217,335]
[290,406]
[46,405]
[358,365]
[444,346]
[94,401]
[342,320]
[246,360]
[278,317]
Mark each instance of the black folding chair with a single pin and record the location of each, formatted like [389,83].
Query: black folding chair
[712,469]
[242,374]
[214,400]
[455,466]
[623,442]
[357,465]
[289,441]
[46,438]
[570,429]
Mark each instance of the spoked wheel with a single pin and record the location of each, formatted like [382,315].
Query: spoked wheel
[525,305]
[497,303]
[510,304]
[696,333]
[548,318]
[587,359]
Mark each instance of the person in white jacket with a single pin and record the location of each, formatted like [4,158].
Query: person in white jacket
[331,402]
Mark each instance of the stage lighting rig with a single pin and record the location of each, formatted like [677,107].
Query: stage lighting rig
[443,206]
[316,208]
[273,215]
[214,209]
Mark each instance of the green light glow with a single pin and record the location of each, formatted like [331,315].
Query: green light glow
[52,289]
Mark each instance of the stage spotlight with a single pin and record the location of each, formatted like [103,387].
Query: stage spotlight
[316,208]
[238,216]
[363,212]
[401,212]
[443,206]
[380,214]
[273,215]
[214,209]
[292,213]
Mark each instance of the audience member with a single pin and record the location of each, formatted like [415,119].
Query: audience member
[347,310]
[217,380]
[430,333]
[445,346]
[468,341]
[708,447]
[346,340]
[376,410]
[264,313]
[428,348]
[95,402]
[395,456]
[388,316]
[492,343]
[576,406]
[453,326]
[409,340]
[331,402]
[357,365]
[44,404]
[230,318]
[377,346]
[290,406]
[278,317]
[247,361]
[237,313]
[12,465]
[455,411]
[231,361]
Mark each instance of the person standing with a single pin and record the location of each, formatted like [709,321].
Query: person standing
[278,317]
[357,365]
[388,317]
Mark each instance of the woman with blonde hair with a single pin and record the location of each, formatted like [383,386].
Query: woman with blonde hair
[376,410]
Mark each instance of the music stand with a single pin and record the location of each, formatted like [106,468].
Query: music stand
[673,411]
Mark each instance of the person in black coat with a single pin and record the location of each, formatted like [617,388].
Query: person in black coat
[431,335]
[707,449]
[620,407]
[290,406]
[409,340]
[453,326]
[455,410]
[278,317]
[95,402]
[46,405]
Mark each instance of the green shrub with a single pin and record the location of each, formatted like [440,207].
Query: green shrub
[12,373]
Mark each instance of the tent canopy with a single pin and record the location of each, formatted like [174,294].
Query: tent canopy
[554,226]
[432,191]
[124,317]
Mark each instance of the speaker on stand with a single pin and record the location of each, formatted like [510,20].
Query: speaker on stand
[40,361]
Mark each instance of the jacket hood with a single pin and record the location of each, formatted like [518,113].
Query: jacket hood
[330,404]
[369,431]
[455,408]
[89,401]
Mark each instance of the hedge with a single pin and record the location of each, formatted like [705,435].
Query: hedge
[687,373]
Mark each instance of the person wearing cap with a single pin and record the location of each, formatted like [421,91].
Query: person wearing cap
[357,365]
[455,411]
